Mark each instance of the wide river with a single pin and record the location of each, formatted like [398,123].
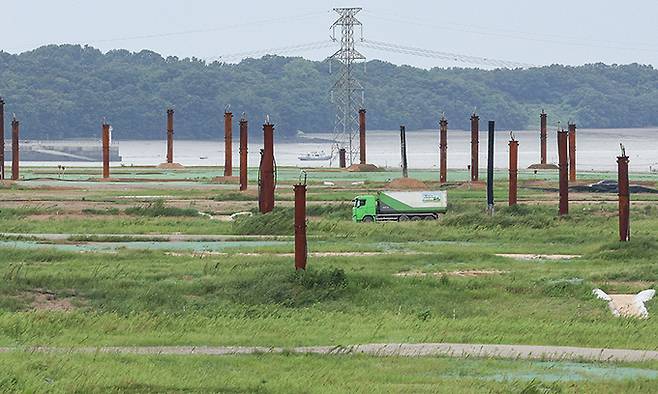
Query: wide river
[596,149]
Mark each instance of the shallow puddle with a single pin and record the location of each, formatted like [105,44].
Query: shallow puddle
[196,246]
[546,371]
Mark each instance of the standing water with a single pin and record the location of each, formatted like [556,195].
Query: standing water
[596,150]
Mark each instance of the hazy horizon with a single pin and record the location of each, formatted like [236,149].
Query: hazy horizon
[570,33]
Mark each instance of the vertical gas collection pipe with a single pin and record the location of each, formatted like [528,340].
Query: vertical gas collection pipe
[170,135]
[244,135]
[228,144]
[300,227]
[572,152]
[15,126]
[362,136]
[443,149]
[624,198]
[267,185]
[543,135]
[475,142]
[564,171]
[490,168]
[513,170]
[403,151]
[342,161]
[105,137]
[2,139]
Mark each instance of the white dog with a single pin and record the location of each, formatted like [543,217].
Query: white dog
[627,305]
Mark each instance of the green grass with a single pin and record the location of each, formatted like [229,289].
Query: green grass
[30,372]
[159,209]
[151,298]
[134,297]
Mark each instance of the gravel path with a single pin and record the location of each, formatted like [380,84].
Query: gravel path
[383,350]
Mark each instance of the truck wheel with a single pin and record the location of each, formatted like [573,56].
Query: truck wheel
[416,218]
[368,219]
[403,218]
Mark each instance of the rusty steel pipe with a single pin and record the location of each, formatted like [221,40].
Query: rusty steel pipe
[562,136]
[244,135]
[267,171]
[543,135]
[105,137]
[2,139]
[475,142]
[403,151]
[301,250]
[342,161]
[170,135]
[443,149]
[572,152]
[362,136]
[624,198]
[228,144]
[513,170]
[15,127]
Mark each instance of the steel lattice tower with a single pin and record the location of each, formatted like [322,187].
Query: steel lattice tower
[347,92]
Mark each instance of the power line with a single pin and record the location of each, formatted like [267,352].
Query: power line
[212,29]
[466,59]
[516,35]
[273,51]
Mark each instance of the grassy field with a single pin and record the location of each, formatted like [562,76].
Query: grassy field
[429,282]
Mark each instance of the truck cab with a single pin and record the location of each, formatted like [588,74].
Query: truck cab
[364,208]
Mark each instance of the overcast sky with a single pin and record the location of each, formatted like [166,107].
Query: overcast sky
[557,31]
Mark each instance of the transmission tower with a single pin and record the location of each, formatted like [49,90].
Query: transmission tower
[347,91]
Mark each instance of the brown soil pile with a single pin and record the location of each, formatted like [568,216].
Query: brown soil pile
[406,184]
[543,167]
[171,166]
[363,168]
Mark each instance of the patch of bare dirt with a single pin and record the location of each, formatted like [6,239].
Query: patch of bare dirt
[44,300]
[406,184]
[525,257]
[477,185]
[171,166]
[234,180]
[464,273]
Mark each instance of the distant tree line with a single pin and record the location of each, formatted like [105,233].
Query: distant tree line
[65,92]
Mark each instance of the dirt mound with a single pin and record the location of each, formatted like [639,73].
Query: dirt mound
[406,183]
[543,167]
[363,168]
[171,166]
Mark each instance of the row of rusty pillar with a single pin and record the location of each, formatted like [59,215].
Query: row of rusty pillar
[15,129]
[266,172]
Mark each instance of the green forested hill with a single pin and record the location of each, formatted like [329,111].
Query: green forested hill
[65,91]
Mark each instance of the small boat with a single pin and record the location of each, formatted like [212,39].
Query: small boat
[314,156]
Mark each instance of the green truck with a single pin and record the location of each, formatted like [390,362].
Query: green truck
[399,206]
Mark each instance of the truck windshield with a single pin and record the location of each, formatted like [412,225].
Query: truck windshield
[359,203]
